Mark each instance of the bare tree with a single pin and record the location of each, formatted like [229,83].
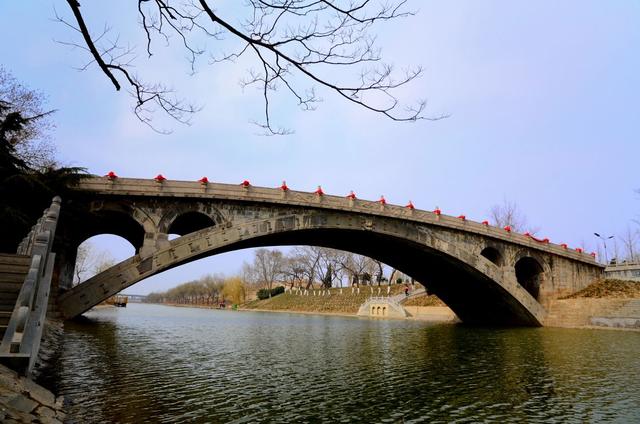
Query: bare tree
[33,143]
[294,43]
[90,261]
[508,214]
[268,265]
[293,270]
[82,263]
[630,239]
[309,259]
[360,268]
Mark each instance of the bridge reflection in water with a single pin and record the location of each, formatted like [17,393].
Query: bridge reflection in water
[152,363]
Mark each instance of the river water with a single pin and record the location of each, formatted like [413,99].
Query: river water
[151,363]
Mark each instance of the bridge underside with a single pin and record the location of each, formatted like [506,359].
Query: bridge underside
[474,297]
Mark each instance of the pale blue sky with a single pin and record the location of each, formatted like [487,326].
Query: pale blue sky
[543,98]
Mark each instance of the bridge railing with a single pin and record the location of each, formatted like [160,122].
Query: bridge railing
[21,341]
[622,265]
[386,299]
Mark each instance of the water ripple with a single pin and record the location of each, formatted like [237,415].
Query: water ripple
[173,365]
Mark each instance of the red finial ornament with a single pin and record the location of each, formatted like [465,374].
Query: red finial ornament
[410,205]
[204,180]
[382,200]
[507,228]
[245,183]
[319,191]
[159,178]
[351,195]
[593,254]
[545,240]
[564,245]
[437,211]
[462,217]
[527,234]
[579,249]
[485,222]
[111,176]
[284,187]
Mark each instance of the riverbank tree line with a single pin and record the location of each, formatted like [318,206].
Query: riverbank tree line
[309,267]
[210,290]
[271,270]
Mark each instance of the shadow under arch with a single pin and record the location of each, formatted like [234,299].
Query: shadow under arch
[493,255]
[189,222]
[529,273]
[113,222]
[470,284]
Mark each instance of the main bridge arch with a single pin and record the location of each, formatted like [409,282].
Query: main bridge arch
[477,289]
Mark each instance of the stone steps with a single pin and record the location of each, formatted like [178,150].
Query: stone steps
[13,270]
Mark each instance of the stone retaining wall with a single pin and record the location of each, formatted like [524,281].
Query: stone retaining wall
[585,312]
[431,313]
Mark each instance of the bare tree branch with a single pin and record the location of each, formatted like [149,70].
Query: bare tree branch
[295,42]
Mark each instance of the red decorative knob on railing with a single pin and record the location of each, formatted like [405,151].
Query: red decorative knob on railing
[382,200]
[204,180]
[410,205]
[485,222]
[437,211]
[284,187]
[351,195]
[579,249]
[564,245]
[507,228]
[462,217]
[160,178]
[245,184]
[319,191]
[545,240]
[593,254]
[111,175]
[527,234]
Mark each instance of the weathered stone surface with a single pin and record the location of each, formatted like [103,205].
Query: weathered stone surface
[464,263]
[24,401]
[45,413]
[9,380]
[39,393]
[22,404]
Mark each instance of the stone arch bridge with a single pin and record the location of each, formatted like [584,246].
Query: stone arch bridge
[487,275]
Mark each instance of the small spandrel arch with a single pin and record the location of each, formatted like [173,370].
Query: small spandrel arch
[530,273]
[493,255]
[189,222]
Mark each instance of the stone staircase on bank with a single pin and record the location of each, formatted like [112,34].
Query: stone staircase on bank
[13,270]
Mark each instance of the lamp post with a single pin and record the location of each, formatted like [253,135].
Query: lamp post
[604,242]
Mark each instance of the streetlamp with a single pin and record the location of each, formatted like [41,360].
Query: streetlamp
[604,242]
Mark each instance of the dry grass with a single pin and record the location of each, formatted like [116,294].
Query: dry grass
[345,303]
[426,300]
[614,289]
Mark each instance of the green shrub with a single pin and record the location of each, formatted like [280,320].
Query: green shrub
[264,293]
